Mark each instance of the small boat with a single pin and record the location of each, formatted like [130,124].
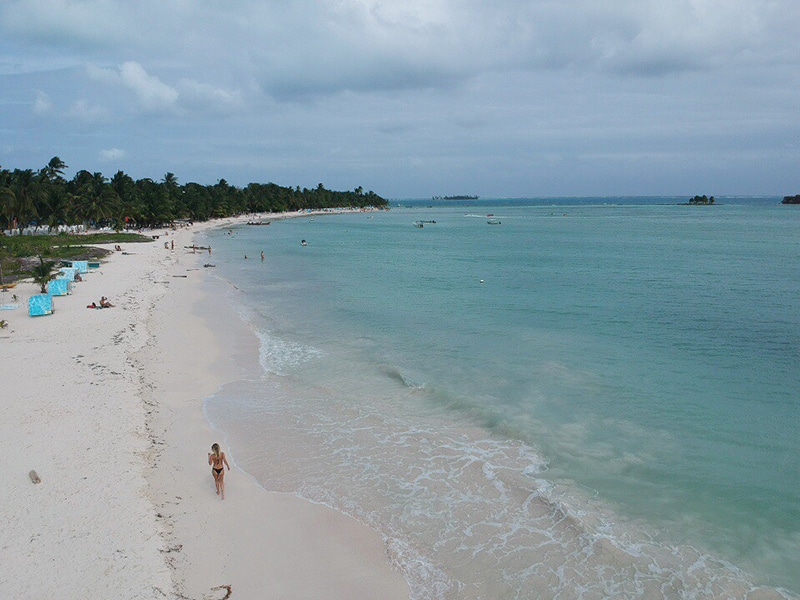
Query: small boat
[418,224]
[493,222]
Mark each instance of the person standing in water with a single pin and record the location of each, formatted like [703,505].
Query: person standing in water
[218,461]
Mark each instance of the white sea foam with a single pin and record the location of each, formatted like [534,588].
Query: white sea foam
[465,516]
[277,356]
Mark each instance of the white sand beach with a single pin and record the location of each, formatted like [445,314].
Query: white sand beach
[106,407]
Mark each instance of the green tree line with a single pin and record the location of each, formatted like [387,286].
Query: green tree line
[45,197]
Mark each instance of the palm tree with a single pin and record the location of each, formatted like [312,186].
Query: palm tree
[54,170]
[43,273]
[7,201]
[94,200]
[27,192]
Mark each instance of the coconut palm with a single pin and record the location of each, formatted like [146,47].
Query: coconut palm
[93,200]
[43,273]
[54,171]
[27,194]
[8,201]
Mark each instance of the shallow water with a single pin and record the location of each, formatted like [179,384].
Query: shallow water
[586,400]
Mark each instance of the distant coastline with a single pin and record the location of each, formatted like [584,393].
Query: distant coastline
[456,197]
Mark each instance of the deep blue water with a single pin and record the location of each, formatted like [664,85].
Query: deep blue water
[594,396]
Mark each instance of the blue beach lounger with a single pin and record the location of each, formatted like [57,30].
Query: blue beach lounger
[81,265]
[40,304]
[59,287]
[68,273]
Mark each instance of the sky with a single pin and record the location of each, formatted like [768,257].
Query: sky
[411,98]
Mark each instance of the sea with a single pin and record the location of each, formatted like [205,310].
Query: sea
[532,398]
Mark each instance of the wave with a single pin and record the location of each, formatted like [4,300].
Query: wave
[397,375]
[278,356]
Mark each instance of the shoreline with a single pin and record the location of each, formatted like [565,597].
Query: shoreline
[107,407]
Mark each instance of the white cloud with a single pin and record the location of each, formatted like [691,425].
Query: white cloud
[325,46]
[504,84]
[42,105]
[206,96]
[112,155]
[84,111]
[79,22]
[151,93]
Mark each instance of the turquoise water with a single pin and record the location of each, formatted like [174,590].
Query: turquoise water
[591,398]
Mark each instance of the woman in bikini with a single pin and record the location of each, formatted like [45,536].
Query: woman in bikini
[217,459]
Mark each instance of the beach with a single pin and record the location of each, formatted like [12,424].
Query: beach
[106,406]
[569,451]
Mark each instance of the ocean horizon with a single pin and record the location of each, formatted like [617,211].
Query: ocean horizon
[549,397]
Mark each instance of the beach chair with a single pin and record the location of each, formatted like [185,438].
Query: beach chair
[40,305]
[67,273]
[59,287]
[81,265]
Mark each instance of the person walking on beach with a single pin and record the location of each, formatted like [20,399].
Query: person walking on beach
[217,459]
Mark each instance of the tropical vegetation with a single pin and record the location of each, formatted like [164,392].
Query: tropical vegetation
[47,200]
[44,197]
[43,273]
[702,200]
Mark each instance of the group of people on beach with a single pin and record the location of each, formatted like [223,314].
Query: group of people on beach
[104,303]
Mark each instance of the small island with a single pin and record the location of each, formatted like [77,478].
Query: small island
[791,199]
[701,200]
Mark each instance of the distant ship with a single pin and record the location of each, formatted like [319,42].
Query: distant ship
[456,197]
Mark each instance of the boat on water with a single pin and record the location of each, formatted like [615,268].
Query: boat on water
[493,221]
[418,224]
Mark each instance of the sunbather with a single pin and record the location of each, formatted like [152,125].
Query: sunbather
[104,303]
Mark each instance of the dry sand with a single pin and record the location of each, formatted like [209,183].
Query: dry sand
[106,406]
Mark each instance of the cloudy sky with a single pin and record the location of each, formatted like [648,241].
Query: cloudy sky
[411,98]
